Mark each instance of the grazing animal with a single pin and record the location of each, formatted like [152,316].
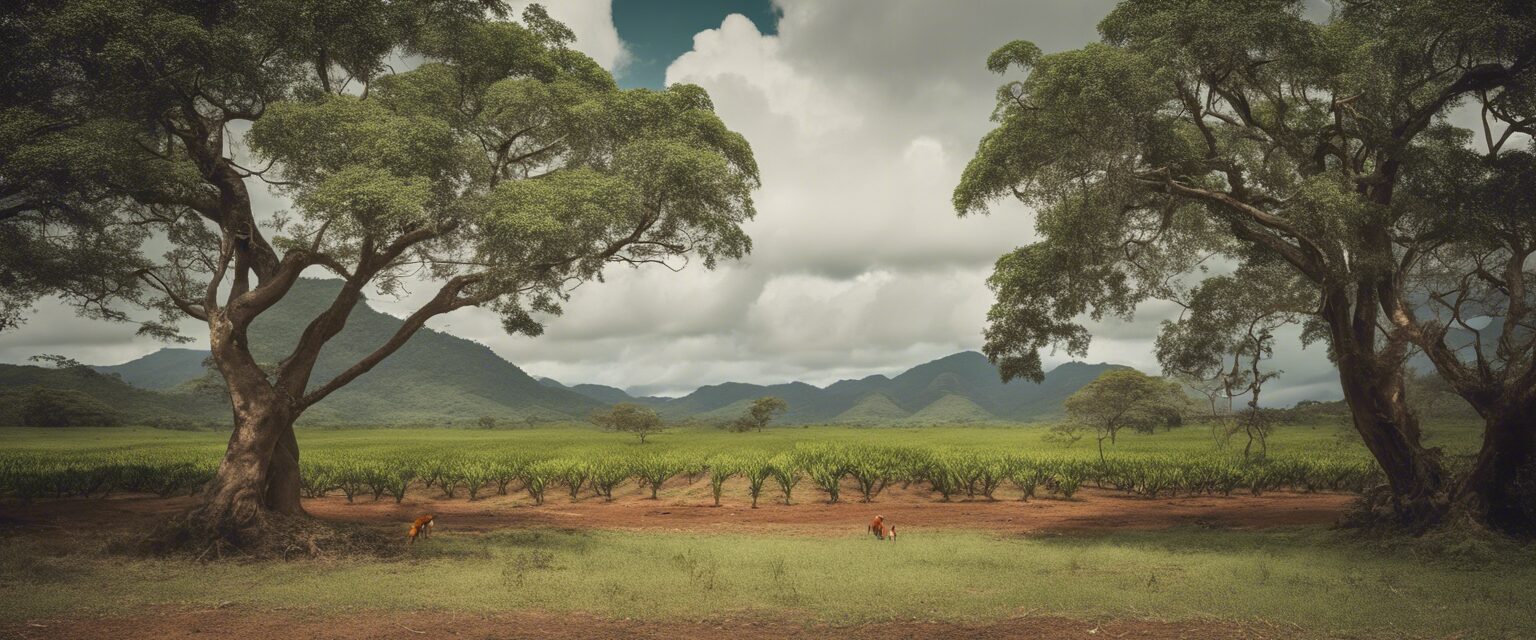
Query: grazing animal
[877,527]
[890,533]
[420,527]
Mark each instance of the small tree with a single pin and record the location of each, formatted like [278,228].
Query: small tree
[760,414]
[1066,433]
[629,417]
[1228,320]
[487,422]
[1124,399]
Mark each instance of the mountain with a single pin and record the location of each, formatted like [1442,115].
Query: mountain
[22,386]
[433,377]
[964,387]
[436,377]
[950,408]
[601,393]
[162,369]
[875,408]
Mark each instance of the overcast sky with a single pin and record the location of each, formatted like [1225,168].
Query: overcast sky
[862,114]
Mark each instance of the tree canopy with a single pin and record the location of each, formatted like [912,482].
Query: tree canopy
[435,141]
[628,417]
[1126,399]
[1234,136]
[761,413]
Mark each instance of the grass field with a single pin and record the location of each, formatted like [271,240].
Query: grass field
[1307,578]
[1292,581]
[562,440]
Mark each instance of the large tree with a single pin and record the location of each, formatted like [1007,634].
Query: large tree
[1199,133]
[433,140]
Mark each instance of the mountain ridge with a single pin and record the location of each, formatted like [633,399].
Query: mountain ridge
[438,377]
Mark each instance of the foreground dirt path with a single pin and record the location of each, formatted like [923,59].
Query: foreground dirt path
[688,507]
[235,624]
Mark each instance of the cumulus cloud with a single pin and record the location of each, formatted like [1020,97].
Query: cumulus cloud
[862,115]
[592,21]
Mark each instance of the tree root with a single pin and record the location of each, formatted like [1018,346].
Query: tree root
[1436,529]
[267,536]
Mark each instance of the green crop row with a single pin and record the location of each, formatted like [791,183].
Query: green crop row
[863,470]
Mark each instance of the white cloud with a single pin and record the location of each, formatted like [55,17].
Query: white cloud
[592,21]
[862,115]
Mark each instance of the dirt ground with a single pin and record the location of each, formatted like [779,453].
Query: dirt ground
[235,624]
[689,507]
[683,507]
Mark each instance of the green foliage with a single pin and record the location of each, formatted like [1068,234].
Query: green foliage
[756,469]
[656,469]
[505,166]
[1318,157]
[1126,399]
[787,472]
[721,469]
[44,407]
[628,417]
[760,413]
[972,463]
[536,478]
[607,473]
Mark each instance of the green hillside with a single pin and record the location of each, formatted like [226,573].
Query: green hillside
[601,393]
[437,378]
[950,409]
[122,402]
[875,408]
[967,375]
[433,378]
[163,369]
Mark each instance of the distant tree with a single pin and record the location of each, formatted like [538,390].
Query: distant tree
[1065,433]
[63,363]
[504,167]
[1226,319]
[628,417]
[487,422]
[760,413]
[1125,399]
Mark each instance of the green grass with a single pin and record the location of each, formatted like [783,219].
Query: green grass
[571,440]
[1307,577]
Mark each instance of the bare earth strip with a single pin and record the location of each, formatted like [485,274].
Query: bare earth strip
[689,508]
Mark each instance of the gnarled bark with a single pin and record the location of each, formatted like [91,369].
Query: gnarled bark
[1500,490]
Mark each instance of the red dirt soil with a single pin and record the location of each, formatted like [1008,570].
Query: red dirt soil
[689,507]
[235,624]
[683,507]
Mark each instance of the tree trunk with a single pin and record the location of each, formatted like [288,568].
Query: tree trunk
[1500,491]
[1390,431]
[259,475]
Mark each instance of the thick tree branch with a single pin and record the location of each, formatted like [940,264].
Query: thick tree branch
[447,299]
